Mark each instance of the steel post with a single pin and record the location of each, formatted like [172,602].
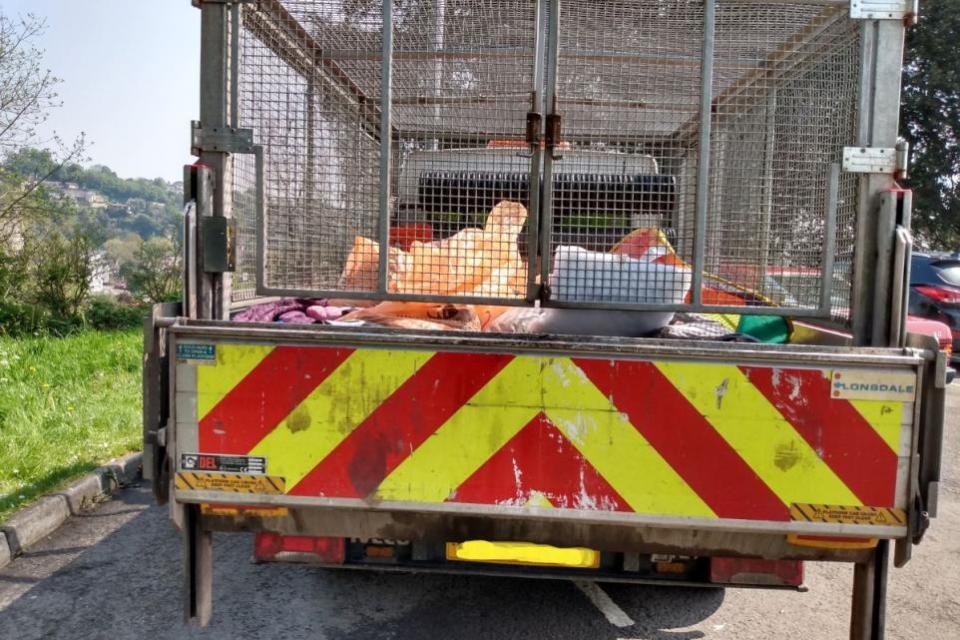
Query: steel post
[216,34]
[868,613]
[703,152]
[386,145]
[550,96]
[534,217]
[829,240]
[197,568]
[766,212]
[882,56]
[310,195]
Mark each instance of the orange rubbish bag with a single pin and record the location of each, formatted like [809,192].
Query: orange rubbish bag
[463,263]
[363,266]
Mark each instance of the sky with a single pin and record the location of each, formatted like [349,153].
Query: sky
[130,71]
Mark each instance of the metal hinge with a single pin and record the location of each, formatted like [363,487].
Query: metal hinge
[553,134]
[220,139]
[903,159]
[884,10]
[218,244]
[870,159]
[534,129]
[544,293]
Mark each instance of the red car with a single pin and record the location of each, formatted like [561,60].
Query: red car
[934,328]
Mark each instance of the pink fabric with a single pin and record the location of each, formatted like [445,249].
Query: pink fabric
[292,311]
[324,313]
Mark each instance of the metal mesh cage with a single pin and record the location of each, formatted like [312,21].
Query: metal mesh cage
[778,133]
[389,189]
[319,130]
[463,72]
[244,204]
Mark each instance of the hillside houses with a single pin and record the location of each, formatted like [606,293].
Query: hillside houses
[95,200]
[81,196]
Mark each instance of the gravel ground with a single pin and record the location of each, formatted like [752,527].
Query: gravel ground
[115,573]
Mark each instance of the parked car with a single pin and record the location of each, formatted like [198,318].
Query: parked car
[935,328]
[935,290]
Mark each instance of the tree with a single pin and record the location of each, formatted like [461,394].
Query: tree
[28,90]
[930,122]
[62,271]
[122,251]
[27,94]
[144,225]
[154,274]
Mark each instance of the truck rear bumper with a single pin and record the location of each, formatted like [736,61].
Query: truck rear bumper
[632,568]
[442,527]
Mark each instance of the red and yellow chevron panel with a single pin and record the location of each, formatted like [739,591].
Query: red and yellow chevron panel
[699,440]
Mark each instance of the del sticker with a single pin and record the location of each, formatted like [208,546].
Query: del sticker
[196,353]
[855,384]
[230,464]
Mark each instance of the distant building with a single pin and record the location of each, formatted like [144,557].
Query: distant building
[79,195]
[99,273]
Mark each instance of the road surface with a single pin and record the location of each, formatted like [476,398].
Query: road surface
[115,573]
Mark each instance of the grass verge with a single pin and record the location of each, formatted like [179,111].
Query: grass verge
[66,406]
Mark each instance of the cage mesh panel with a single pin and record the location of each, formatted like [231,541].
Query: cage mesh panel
[841,299]
[628,89]
[321,150]
[628,79]
[463,74]
[776,132]
[244,203]
[785,81]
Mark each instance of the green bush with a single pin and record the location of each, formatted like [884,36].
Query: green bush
[21,319]
[61,274]
[154,274]
[107,314]
[60,326]
[102,313]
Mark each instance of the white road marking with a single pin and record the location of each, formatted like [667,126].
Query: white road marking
[602,601]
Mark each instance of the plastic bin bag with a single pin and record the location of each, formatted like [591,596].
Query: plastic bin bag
[466,263]
[479,262]
[650,245]
[418,315]
[363,266]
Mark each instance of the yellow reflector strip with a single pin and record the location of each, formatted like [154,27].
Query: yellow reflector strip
[525,553]
[436,468]
[615,448]
[234,363]
[342,401]
[759,433]
[260,512]
[885,418]
[827,543]
[523,389]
